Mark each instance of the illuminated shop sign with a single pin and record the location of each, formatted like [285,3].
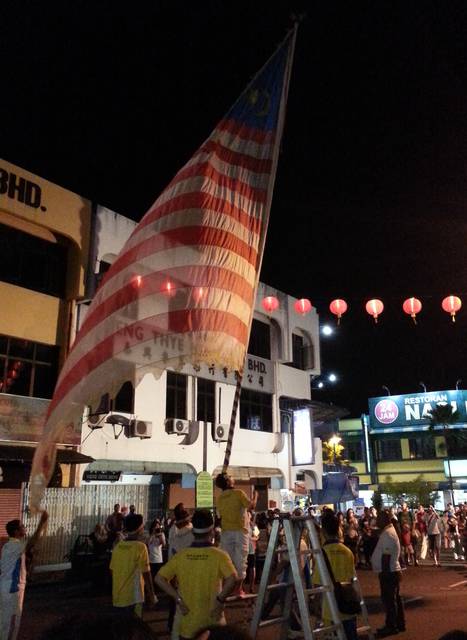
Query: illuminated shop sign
[458,468]
[410,412]
[302,437]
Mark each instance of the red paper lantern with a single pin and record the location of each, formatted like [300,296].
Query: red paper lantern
[270,303]
[137,281]
[412,306]
[451,305]
[169,288]
[338,307]
[374,307]
[303,306]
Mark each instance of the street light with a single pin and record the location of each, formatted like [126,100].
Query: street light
[327,330]
[332,377]
[333,442]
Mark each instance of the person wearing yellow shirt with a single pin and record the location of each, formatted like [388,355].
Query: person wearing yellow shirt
[130,569]
[232,507]
[341,561]
[205,577]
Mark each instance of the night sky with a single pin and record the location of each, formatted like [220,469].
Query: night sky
[110,101]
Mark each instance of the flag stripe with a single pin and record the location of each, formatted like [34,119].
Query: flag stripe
[181,321]
[199,200]
[171,259]
[236,158]
[256,180]
[180,277]
[246,133]
[186,237]
[207,170]
[138,310]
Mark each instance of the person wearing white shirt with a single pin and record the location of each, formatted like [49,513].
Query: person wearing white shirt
[385,561]
[13,573]
[434,534]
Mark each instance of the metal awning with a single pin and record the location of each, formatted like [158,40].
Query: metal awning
[24,455]
[147,467]
[246,473]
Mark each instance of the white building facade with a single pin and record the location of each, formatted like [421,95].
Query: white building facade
[178,424]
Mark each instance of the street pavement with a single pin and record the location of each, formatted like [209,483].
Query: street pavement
[436,602]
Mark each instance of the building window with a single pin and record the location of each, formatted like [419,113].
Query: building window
[260,340]
[255,411]
[205,400]
[176,395]
[27,368]
[388,450]
[422,448]
[32,263]
[353,451]
[302,353]
[456,441]
[125,399]
[103,268]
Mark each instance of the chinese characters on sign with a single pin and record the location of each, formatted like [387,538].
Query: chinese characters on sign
[258,374]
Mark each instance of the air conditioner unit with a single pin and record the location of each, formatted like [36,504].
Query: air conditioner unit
[140,429]
[178,426]
[221,433]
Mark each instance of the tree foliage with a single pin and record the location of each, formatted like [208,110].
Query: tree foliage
[442,415]
[333,454]
[414,492]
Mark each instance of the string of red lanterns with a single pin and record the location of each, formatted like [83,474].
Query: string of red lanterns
[374,307]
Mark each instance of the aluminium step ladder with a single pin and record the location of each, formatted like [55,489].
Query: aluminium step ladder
[293,584]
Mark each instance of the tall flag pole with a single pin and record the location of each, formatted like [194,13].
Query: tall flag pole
[288,48]
[183,288]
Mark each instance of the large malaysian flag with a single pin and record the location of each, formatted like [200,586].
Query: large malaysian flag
[182,289]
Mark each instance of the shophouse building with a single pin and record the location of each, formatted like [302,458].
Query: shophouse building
[394,443]
[44,246]
[183,416]
[55,247]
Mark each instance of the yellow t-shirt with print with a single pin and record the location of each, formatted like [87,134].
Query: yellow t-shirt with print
[199,572]
[342,563]
[231,506]
[129,561]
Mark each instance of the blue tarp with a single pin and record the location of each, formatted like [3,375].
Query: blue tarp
[337,487]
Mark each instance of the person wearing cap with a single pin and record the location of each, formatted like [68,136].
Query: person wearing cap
[130,570]
[205,577]
[232,506]
[180,534]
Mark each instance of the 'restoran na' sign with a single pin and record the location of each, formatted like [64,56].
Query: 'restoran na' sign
[411,411]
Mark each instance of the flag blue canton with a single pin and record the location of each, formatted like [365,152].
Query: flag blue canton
[258,106]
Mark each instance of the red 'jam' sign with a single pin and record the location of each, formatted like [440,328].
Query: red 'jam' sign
[386,411]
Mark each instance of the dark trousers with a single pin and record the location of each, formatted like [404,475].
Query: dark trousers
[389,582]
[350,628]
